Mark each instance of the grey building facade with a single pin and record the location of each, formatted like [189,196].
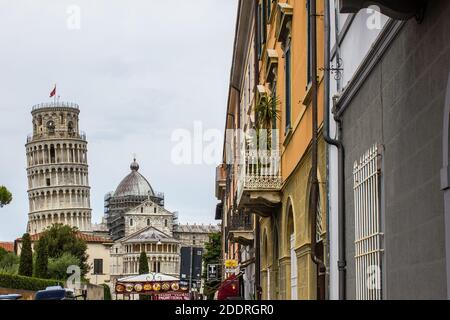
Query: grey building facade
[394,105]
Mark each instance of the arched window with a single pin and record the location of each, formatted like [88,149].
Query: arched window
[51,127]
[165,223]
[131,222]
[52,153]
[148,222]
[70,127]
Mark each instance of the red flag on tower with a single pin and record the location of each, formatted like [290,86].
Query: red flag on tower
[53,92]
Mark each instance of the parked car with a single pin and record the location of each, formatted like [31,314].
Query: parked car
[10,296]
[54,293]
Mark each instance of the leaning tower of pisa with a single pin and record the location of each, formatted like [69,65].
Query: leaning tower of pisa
[57,169]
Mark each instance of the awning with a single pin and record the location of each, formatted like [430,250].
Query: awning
[149,277]
[229,288]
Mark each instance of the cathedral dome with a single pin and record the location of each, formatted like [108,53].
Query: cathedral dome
[134,184]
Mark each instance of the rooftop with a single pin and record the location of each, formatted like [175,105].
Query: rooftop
[149,234]
[197,228]
[56,104]
[8,246]
[89,238]
[134,184]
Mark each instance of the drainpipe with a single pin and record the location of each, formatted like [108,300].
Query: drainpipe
[314,180]
[340,147]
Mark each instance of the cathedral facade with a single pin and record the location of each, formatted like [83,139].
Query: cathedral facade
[138,222]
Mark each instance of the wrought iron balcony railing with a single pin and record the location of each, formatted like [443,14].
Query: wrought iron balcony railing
[241,222]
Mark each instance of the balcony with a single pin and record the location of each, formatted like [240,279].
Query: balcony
[56,135]
[259,183]
[221,180]
[55,104]
[240,228]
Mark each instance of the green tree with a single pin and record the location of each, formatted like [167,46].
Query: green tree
[63,239]
[5,196]
[57,267]
[143,269]
[143,263]
[41,264]
[213,250]
[26,257]
[9,262]
[106,292]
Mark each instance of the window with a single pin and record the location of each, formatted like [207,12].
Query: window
[264,14]
[98,266]
[309,43]
[48,182]
[142,209]
[70,127]
[131,222]
[263,22]
[52,154]
[273,90]
[51,127]
[154,210]
[165,223]
[148,222]
[368,233]
[259,32]
[287,70]
[156,266]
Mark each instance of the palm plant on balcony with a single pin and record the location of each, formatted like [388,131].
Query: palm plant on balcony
[266,114]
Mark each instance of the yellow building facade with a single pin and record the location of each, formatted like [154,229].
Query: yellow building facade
[275,192]
[287,266]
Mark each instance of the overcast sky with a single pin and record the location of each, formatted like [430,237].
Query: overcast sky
[138,69]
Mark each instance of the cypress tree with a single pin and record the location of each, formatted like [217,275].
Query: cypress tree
[26,257]
[41,268]
[143,269]
[143,263]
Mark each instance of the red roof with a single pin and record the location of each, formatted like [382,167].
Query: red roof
[83,236]
[8,246]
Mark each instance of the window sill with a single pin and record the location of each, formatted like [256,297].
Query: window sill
[308,96]
[287,137]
